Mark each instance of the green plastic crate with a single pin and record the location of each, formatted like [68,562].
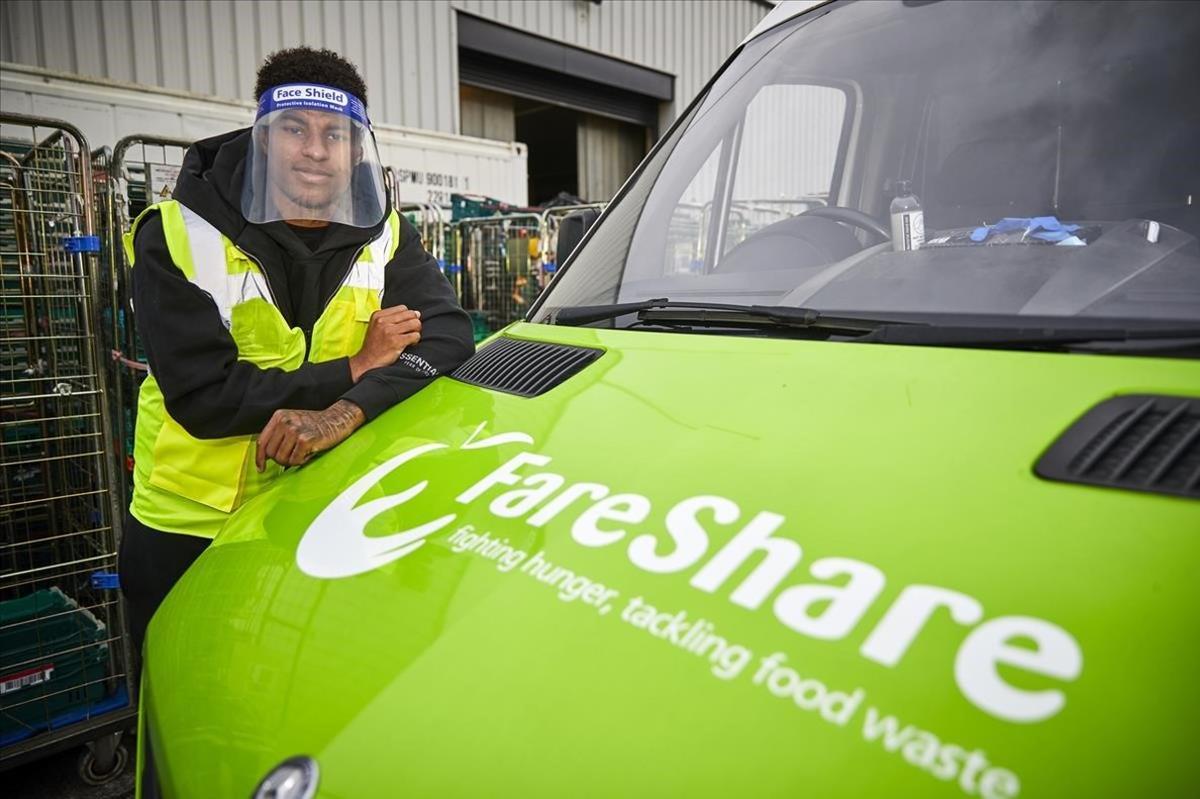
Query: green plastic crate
[55,658]
[479,325]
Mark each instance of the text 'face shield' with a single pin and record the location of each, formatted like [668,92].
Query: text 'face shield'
[313,158]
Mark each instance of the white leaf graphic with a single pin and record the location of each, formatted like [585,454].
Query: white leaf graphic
[336,544]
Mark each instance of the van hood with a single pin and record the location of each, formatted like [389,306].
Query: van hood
[702,565]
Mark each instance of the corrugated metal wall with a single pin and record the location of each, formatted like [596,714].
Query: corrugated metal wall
[214,47]
[689,39]
[608,151]
[407,50]
[486,114]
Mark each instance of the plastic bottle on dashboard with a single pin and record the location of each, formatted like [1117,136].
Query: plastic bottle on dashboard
[908,221]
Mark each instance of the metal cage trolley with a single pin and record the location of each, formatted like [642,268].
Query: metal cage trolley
[138,172]
[64,656]
[500,258]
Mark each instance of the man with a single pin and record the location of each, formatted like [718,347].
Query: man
[282,303]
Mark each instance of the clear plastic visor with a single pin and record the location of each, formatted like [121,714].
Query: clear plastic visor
[311,165]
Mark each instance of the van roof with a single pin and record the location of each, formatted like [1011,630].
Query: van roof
[781,13]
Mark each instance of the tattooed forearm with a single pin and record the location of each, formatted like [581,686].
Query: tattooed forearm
[292,437]
[342,417]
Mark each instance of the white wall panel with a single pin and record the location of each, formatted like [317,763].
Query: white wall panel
[200,48]
[84,19]
[436,163]
[21,23]
[406,48]
[118,55]
[224,64]
[172,47]
[243,50]
[143,43]
[55,35]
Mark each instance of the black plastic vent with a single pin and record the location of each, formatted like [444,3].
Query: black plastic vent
[1138,442]
[524,368]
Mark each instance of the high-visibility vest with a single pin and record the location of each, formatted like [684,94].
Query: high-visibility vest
[184,484]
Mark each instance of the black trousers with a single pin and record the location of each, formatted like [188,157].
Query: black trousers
[150,563]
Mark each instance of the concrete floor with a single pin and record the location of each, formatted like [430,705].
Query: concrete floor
[56,777]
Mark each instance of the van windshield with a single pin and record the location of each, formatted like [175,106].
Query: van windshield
[1049,151]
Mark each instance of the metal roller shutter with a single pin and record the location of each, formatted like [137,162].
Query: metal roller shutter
[503,59]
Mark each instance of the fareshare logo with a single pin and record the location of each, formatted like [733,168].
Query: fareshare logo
[336,543]
[831,607]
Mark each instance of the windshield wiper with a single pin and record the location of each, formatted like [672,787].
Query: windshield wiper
[865,329]
[968,336]
[585,314]
[714,314]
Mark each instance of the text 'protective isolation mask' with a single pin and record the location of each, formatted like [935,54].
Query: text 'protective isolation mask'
[313,157]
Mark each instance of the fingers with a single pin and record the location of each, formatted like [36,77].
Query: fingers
[391,322]
[389,333]
[291,438]
[394,314]
[400,336]
[287,449]
[383,313]
[405,326]
[283,441]
[268,440]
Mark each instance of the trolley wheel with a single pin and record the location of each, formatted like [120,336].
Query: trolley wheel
[90,769]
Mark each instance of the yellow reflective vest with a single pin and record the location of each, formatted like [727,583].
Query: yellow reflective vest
[190,485]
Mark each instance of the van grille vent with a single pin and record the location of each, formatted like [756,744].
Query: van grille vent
[524,368]
[1138,442]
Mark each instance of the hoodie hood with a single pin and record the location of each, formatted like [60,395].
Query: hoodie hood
[210,181]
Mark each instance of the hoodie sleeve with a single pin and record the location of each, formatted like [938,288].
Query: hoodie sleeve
[195,361]
[414,279]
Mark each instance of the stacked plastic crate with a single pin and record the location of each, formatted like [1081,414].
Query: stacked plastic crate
[63,660]
[137,172]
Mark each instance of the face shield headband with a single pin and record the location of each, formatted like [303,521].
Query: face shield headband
[313,159]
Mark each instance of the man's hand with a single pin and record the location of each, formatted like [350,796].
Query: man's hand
[292,437]
[389,333]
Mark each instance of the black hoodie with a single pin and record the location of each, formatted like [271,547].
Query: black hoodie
[194,358]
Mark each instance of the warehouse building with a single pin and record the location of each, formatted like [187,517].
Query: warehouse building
[516,99]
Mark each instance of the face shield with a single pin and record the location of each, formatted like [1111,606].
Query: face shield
[313,157]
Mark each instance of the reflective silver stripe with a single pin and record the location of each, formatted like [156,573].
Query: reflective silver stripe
[370,274]
[381,247]
[365,275]
[208,260]
[212,272]
[207,246]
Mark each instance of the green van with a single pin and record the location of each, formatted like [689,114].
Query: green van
[855,453]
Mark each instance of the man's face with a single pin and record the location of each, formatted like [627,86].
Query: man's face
[311,155]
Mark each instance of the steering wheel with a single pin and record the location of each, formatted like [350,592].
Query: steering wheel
[851,217]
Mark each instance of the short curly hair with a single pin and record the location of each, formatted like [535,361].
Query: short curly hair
[306,65]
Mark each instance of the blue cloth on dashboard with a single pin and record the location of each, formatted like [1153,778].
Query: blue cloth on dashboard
[1043,228]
